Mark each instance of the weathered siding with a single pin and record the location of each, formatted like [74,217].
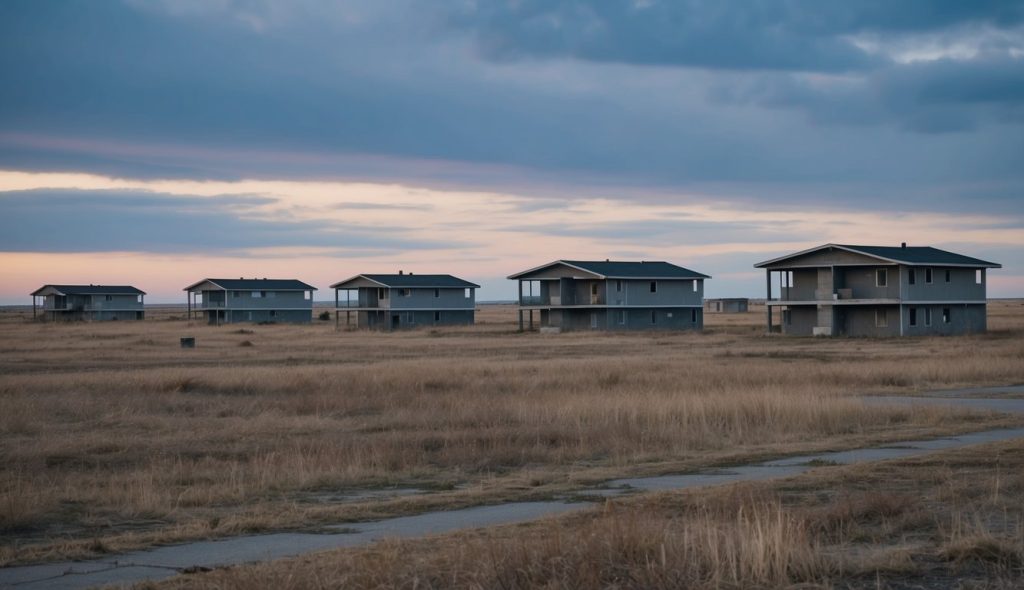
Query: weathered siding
[424,298]
[630,319]
[259,316]
[963,319]
[962,286]
[799,320]
[861,280]
[830,257]
[860,320]
[280,300]
[669,292]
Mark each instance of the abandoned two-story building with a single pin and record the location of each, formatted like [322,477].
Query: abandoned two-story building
[227,301]
[405,300]
[611,295]
[89,302]
[846,290]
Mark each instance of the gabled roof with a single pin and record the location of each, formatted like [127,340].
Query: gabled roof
[411,281]
[255,285]
[90,290]
[908,255]
[615,269]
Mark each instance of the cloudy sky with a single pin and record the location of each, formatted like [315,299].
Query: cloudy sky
[158,142]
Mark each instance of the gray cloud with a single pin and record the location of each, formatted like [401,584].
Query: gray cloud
[52,220]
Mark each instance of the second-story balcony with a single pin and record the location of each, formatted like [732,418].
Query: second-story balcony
[531,300]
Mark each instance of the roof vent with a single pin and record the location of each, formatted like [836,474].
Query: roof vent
[903,244]
[401,273]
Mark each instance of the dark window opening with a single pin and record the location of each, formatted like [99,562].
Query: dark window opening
[947,275]
[913,316]
[928,275]
[945,314]
[693,316]
[654,317]
[437,293]
[881,277]
[654,286]
[437,316]
[912,277]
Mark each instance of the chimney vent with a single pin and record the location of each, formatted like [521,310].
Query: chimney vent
[401,273]
[903,245]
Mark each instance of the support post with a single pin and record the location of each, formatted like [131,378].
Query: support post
[768,299]
[531,320]
[33,307]
[520,320]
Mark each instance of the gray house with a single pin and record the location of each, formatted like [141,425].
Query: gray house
[847,290]
[611,295]
[89,302]
[227,301]
[727,305]
[403,300]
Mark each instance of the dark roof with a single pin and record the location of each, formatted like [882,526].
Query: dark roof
[257,285]
[909,255]
[615,269]
[920,255]
[94,289]
[413,280]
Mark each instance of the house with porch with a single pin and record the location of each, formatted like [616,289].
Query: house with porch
[88,302]
[405,300]
[846,290]
[229,301]
[610,295]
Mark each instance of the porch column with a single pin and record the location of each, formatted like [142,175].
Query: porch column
[188,305]
[520,312]
[33,307]
[767,301]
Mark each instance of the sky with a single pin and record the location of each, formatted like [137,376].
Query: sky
[155,143]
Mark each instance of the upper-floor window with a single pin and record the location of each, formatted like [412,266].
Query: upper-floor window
[911,276]
[382,293]
[138,298]
[979,276]
[308,295]
[270,294]
[257,294]
[469,292]
[654,287]
[405,292]
[881,277]
[109,297]
[948,277]
[618,286]
[437,293]
[928,275]
[695,285]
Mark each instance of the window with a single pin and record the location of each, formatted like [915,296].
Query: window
[947,275]
[437,316]
[308,295]
[927,316]
[271,294]
[273,313]
[654,286]
[979,276]
[945,314]
[437,293]
[928,276]
[109,297]
[654,317]
[469,292]
[405,292]
[622,316]
[881,318]
[593,320]
[693,315]
[138,298]
[911,276]
[882,277]
[695,286]
[618,286]
[382,293]
[257,294]
[913,316]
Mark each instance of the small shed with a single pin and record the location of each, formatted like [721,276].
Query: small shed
[727,305]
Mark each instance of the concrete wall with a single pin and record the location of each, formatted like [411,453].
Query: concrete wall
[425,298]
[860,320]
[386,319]
[799,320]
[256,316]
[862,281]
[624,319]
[961,286]
[963,319]
[271,300]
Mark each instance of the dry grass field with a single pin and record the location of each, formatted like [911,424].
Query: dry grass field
[951,520]
[112,437]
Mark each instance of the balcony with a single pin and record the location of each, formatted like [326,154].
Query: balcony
[531,300]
